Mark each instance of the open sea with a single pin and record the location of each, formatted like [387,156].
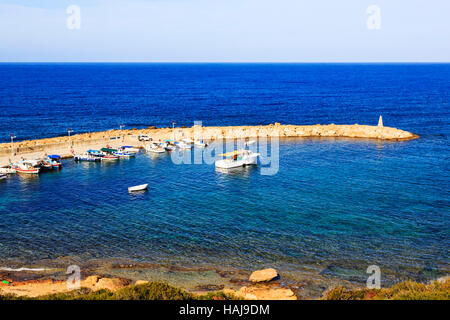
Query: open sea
[335,206]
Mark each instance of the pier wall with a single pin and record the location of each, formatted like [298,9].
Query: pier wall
[115,138]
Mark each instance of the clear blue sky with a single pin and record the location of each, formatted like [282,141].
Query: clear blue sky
[225,30]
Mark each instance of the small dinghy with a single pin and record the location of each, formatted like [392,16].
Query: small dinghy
[141,187]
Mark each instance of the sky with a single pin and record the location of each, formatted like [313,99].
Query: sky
[225,31]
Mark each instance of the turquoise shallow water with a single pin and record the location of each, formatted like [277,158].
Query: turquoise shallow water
[335,207]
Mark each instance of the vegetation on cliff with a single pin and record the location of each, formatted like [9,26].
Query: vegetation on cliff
[147,291]
[408,290]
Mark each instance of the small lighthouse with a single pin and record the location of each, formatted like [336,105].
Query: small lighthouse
[380,122]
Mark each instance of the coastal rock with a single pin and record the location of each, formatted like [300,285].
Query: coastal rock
[90,281]
[96,283]
[264,275]
[112,284]
[264,293]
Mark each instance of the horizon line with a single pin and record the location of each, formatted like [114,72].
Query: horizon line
[240,62]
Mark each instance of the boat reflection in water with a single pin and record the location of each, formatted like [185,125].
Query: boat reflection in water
[237,171]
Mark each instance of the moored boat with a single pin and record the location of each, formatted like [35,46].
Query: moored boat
[154,147]
[200,144]
[109,154]
[55,161]
[27,166]
[87,156]
[169,145]
[183,144]
[2,176]
[237,158]
[7,170]
[130,149]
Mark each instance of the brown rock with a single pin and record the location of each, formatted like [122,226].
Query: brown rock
[264,275]
[112,284]
[265,293]
[90,281]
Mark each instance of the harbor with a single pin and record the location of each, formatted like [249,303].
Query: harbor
[67,146]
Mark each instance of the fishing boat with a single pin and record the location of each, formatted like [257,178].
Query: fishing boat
[27,166]
[7,170]
[87,156]
[237,158]
[200,144]
[55,161]
[141,187]
[169,145]
[124,154]
[183,144]
[130,149]
[44,164]
[109,154]
[154,147]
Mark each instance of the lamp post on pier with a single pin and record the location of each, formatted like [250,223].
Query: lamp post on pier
[12,144]
[69,131]
[173,130]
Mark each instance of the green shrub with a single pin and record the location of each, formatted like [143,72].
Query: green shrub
[407,290]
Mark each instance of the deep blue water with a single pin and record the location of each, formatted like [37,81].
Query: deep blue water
[335,206]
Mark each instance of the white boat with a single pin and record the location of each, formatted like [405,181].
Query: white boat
[109,154]
[154,147]
[27,166]
[183,145]
[87,156]
[7,170]
[124,154]
[141,187]
[237,158]
[2,176]
[200,144]
[169,145]
[129,149]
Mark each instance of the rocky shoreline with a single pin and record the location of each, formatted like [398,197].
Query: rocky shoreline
[262,286]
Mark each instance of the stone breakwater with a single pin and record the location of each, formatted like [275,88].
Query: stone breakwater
[115,138]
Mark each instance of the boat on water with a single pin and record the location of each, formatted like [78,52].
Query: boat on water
[87,156]
[54,160]
[124,154]
[184,144]
[141,187]
[7,170]
[154,147]
[3,176]
[109,154]
[130,149]
[169,145]
[27,166]
[200,144]
[237,158]
[44,164]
